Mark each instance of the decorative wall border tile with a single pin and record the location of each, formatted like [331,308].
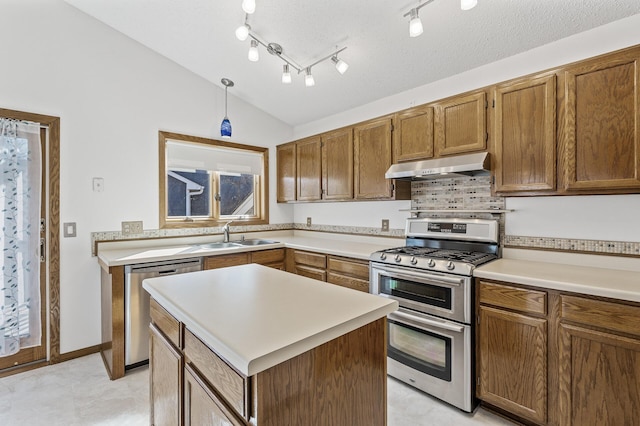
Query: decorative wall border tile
[573,245]
[353,230]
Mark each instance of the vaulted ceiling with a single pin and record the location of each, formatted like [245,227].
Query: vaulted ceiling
[383,59]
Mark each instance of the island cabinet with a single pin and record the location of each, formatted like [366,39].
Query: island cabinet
[461,124]
[512,356]
[413,134]
[267,372]
[271,257]
[600,134]
[286,171]
[599,375]
[524,135]
[372,159]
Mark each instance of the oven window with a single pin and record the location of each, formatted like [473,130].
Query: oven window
[430,294]
[419,349]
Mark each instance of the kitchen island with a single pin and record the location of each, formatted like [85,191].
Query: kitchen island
[254,345]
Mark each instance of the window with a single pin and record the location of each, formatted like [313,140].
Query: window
[205,182]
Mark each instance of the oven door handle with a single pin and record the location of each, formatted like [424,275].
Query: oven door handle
[426,279]
[422,323]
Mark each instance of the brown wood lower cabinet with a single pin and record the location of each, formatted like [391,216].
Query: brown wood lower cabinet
[341,382]
[270,257]
[553,358]
[346,272]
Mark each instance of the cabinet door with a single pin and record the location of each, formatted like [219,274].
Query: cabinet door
[165,371]
[599,377]
[337,165]
[309,168]
[201,406]
[525,135]
[601,117]
[513,363]
[413,134]
[372,159]
[461,124]
[286,170]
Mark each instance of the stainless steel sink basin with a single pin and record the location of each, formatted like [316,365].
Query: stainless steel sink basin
[219,245]
[254,242]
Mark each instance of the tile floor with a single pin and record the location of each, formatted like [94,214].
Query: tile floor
[78,392]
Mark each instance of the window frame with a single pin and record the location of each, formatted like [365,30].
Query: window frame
[261,198]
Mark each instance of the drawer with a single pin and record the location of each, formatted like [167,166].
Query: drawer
[166,323]
[268,256]
[224,260]
[599,313]
[357,268]
[347,281]
[519,299]
[226,381]
[310,259]
[316,274]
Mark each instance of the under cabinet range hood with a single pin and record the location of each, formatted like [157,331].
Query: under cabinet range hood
[466,165]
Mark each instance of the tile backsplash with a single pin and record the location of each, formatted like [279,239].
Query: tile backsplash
[457,193]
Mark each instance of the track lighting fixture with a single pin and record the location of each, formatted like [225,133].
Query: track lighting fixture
[249,6]
[286,75]
[415,24]
[254,55]
[244,31]
[308,78]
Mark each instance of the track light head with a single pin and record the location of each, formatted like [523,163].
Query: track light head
[468,4]
[341,65]
[242,32]
[286,74]
[415,24]
[249,6]
[308,78]
[253,55]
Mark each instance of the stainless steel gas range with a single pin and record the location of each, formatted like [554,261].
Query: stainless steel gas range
[430,338]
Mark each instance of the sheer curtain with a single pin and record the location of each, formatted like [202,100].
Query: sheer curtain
[20,195]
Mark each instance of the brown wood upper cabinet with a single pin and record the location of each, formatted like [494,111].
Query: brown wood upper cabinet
[413,134]
[309,168]
[286,170]
[461,124]
[373,155]
[337,164]
[601,116]
[524,135]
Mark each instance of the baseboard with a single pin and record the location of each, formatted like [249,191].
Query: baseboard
[79,353]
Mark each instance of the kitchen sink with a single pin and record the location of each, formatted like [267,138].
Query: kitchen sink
[219,245]
[254,242]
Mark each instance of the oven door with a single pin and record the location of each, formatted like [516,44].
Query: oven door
[443,295]
[431,354]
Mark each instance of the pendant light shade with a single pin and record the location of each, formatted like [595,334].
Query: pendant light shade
[225,126]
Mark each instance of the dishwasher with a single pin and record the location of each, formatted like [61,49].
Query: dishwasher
[136,304]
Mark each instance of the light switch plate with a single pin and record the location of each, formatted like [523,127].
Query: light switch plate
[98,184]
[308,221]
[69,229]
[132,227]
[385,225]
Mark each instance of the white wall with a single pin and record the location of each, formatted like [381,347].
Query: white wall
[112,95]
[562,217]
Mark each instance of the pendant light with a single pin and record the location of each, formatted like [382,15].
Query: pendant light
[225,126]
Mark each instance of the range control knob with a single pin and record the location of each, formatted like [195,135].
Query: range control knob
[398,258]
[414,260]
[432,263]
[450,265]
[383,256]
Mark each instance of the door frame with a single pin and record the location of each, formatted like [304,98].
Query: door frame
[53,229]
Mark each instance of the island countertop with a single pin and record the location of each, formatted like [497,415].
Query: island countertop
[256,317]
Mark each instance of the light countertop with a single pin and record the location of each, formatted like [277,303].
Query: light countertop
[256,317]
[335,244]
[578,274]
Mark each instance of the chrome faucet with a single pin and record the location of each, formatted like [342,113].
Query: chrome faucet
[225,232]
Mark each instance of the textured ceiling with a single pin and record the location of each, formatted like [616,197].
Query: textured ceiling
[383,59]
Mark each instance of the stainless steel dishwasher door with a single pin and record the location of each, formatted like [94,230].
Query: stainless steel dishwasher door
[136,304]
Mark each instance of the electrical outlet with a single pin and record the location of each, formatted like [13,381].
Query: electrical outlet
[132,228]
[385,225]
[308,221]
